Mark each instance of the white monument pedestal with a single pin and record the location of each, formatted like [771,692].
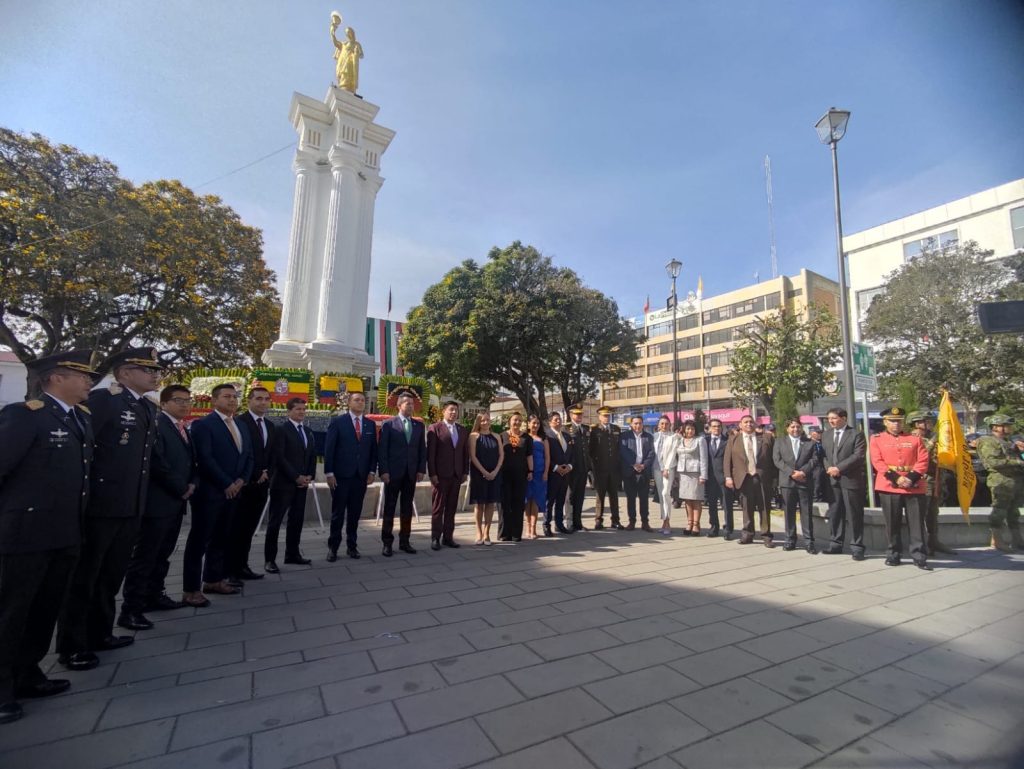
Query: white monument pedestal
[337,176]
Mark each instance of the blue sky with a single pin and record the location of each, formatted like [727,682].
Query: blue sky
[612,136]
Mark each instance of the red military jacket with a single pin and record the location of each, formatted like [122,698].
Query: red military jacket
[894,456]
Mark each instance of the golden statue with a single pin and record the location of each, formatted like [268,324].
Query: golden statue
[347,54]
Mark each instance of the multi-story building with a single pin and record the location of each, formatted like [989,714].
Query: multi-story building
[707,330]
[994,218]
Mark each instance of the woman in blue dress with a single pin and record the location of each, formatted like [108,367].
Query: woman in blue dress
[537,488]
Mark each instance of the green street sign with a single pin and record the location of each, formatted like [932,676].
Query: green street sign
[865,377]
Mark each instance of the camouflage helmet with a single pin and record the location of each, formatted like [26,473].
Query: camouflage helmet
[998,419]
[919,416]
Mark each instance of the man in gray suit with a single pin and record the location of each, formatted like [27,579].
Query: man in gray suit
[794,456]
[845,449]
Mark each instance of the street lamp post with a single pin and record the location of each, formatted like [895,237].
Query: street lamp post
[673,268]
[707,388]
[831,128]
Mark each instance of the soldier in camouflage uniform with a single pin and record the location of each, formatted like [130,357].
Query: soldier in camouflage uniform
[921,424]
[1005,480]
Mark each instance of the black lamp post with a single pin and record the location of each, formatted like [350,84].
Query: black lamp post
[673,268]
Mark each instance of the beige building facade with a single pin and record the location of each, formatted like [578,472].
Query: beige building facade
[707,330]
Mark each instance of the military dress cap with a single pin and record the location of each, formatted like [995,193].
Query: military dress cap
[919,416]
[604,410]
[75,360]
[144,357]
[815,429]
[576,409]
[895,413]
[999,419]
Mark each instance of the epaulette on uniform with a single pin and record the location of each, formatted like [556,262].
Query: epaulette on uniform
[84,408]
[34,405]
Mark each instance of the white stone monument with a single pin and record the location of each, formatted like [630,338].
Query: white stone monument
[337,176]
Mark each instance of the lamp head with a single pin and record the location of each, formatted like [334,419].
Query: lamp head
[673,268]
[832,126]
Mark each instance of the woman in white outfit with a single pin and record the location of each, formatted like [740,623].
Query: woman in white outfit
[692,470]
[665,444]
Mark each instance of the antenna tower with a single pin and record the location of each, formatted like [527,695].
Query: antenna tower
[771,214]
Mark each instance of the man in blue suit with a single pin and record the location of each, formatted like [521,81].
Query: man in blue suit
[636,449]
[350,458]
[402,462]
[224,455]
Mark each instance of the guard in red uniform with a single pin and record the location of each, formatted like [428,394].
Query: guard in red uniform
[901,464]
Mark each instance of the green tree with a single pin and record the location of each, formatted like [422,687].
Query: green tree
[784,349]
[785,406]
[89,260]
[517,323]
[926,330]
[906,395]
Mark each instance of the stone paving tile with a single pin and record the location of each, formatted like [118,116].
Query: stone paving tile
[226,754]
[350,647]
[444,631]
[521,615]
[278,611]
[244,718]
[380,687]
[250,630]
[869,754]
[630,740]
[145,648]
[713,667]
[581,620]
[640,688]
[95,751]
[941,664]
[642,654]
[447,747]
[320,737]
[558,753]
[361,599]
[177,622]
[893,689]
[861,655]
[398,624]
[521,632]
[480,664]
[299,640]
[754,746]
[802,677]
[288,678]
[75,699]
[541,718]
[561,674]
[426,651]
[569,644]
[180,662]
[829,720]
[643,628]
[937,736]
[419,604]
[39,726]
[596,601]
[767,621]
[246,666]
[989,700]
[338,616]
[711,636]
[726,705]
[446,586]
[429,709]
[136,708]
[836,629]
[782,645]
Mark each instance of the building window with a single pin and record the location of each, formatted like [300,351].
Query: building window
[913,248]
[864,300]
[637,391]
[657,369]
[635,373]
[794,293]
[1017,225]
[662,388]
[772,301]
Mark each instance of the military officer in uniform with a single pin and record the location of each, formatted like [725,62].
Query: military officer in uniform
[901,463]
[44,488]
[921,426]
[605,462]
[1005,480]
[124,424]
[580,433]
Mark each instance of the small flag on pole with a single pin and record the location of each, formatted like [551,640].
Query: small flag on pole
[647,305]
[700,287]
[951,453]
[389,301]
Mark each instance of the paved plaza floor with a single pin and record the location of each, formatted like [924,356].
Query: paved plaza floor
[601,649]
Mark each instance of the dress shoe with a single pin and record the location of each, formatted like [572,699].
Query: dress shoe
[219,588]
[789,546]
[233,581]
[833,551]
[79,661]
[923,565]
[164,603]
[405,547]
[727,536]
[547,530]
[580,527]
[386,551]
[746,539]
[768,542]
[598,526]
[686,533]
[646,527]
[562,530]
[332,556]
[858,555]
[631,526]
[133,621]
[618,526]
[196,600]
[435,544]
[247,573]
[517,539]
[811,549]
[353,552]
[10,711]
[44,688]
[297,560]
[112,642]
[450,543]
[892,560]
[938,547]
[713,531]
[270,567]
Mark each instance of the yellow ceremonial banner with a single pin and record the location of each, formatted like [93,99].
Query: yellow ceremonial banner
[952,454]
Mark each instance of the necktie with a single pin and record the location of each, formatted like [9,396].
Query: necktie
[181,431]
[233,429]
[302,434]
[796,447]
[359,429]
[561,441]
[839,435]
[263,435]
[714,445]
[455,434]
[751,461]
[407,428]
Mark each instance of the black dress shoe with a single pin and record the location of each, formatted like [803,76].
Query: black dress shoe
[686,533]
[405,547]
[581,527]
[10,711]
[165,603]
[332,556]
[270,567]
[938,547]
[79,661]
[727,535]
[297,560]
[630,526]
[833,551]
[811,549]
[233,581]
[248,573]
[923,565]
[713,532]
[789,546]
[517,539]
[892,560]
[132,621]
[45,688]
[112,642]
[435,544]
[353,552]
[562,530]
[647,527]
[450,543]
[386,551]
[547,530]
[598,526]
[618,526]
[768,542]
[858,555]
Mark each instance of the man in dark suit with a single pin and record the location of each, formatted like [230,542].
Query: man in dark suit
[172,480]
[447,466]
[401,461]
[606,464]
[580,461]
[750,470]
[716,491]
[559,472]
[44,487]
[252,500]
[224,456]
[794,459]
[845,450]
[636,452]
[124,423]
[350,459]
[293,466]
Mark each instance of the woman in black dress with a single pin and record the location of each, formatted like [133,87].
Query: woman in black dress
[485,457]
[516,471]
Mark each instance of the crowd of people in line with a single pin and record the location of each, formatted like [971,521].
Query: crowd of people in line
[95,484]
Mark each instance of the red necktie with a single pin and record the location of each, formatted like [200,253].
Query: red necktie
[359,430]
